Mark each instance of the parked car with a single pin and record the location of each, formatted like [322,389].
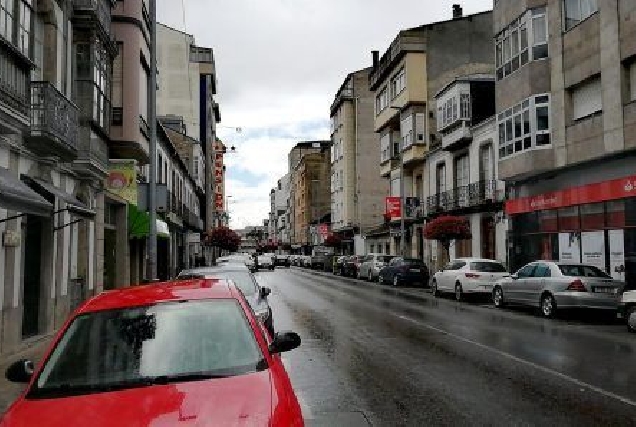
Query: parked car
[465,276]
[550,285]
[627,309]
[190,347]
[319,260]
[352,265]
[338,264]
[255,294]
[402,271]
[372,264]
[282,260]
[266,261]
[305,261]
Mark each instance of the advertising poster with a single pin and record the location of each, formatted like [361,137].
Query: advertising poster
[122,180]
[569,247]
[393,207]
[593,245]
[617,254]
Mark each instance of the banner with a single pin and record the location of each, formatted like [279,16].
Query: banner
[617,254]
[570,247]
[393,207]
[593,244]
[122,180]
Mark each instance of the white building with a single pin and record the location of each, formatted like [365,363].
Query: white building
[462,172]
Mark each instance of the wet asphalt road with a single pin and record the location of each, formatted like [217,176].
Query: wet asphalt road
[375,356]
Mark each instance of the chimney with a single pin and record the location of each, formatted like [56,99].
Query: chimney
[457,11]
[376,58]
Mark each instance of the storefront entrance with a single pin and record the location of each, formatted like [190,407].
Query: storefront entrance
[32,277]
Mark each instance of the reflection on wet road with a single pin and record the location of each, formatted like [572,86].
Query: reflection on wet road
[373,356]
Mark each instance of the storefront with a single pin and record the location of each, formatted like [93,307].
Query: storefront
[593,223]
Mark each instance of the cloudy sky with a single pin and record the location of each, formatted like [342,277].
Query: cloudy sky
[279,64]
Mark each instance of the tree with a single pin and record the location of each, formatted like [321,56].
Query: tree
[333,241]
[224,239]
[445,229]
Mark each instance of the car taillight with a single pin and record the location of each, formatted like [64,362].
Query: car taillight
[576,286]
[472,275]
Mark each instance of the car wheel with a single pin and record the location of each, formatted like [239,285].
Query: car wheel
[459,294]
[548,306]
[434,289]
[396,281]
[631,318]
[498,298]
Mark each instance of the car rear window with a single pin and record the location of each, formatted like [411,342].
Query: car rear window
[583,271]
[488,267]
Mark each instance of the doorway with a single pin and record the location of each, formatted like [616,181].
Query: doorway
[630,258]
[488,249]
[32,277]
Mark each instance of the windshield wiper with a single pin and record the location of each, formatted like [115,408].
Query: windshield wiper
[169,379]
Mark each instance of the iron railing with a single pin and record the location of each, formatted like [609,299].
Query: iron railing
[53,116]
[469,196]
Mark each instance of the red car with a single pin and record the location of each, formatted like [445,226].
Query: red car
[185,353]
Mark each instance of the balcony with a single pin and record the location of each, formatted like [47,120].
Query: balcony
[94,11]
[477,197]
[458,137]
[54,123]
[92,159]
[93,105]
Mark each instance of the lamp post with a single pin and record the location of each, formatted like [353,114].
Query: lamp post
[152,116]
[402,198]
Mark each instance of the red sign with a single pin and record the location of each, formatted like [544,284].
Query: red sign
[591,193]
[323,229]
[393,205]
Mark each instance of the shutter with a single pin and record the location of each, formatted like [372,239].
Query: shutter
[586,99]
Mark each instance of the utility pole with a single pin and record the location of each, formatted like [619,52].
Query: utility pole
[402,202]
[152,118]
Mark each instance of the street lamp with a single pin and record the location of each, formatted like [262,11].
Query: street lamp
[402,198]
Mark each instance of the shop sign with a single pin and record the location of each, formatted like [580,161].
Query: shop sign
[593,245]
[11,239]
[592,193]
[393,205]
[122,180]
[323,230]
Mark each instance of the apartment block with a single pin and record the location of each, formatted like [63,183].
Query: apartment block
[565,98]
[279,202]
[357,189]
[405,79]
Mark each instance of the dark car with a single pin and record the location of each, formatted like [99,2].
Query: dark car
[255,295]
[352,265]
[282,260]
[405,271]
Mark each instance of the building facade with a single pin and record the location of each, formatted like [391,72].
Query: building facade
[566,117]
[357,189]
[404,80]
[54,124]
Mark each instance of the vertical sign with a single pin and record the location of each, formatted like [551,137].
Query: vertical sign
[617,254]
[593,245]
[393,207]
[569,247]
[122,180]
[219,195]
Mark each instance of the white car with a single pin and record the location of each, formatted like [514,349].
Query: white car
[627,309]
[266,261]
[371,266]
[468,276]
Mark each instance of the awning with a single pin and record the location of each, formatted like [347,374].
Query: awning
[17,196]
[72,204]
[139,225]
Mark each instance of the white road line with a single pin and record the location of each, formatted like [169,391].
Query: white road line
[523,361]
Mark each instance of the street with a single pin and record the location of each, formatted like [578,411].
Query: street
[373,355]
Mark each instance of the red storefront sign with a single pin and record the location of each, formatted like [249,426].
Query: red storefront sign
[591,193]
[393,206]
[323,229]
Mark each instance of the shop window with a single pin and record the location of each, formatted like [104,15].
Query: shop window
[549,247]
[548,220]
[569,219]
[630,212]
[526,223]
[615,214]
[593,216]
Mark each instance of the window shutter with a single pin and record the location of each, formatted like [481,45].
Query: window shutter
[586,99]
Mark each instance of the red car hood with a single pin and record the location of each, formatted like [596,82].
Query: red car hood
[236,401]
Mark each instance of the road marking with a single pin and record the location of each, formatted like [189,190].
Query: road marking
[523,361]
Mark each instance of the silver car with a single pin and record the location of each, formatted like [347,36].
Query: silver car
[371,266]
[627,309]
[552,285]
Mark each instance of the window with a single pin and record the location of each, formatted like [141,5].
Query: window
[101,102]
[381,101]
[513,45]
[462,177]
[406,131]
[395,187]
[398,83]
[583,271]
[7,11]
[526,271]
[420,127]
[455,265]
[38,46]
[440,178]
[464,102]
[542,270]
[118,77]
[524,126]
[488,267]
[486,169]
[576,11]
[632,81]
[24,28]
[143,92]
[586,99]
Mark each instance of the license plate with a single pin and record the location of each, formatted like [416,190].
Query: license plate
[605,290]
[414,270]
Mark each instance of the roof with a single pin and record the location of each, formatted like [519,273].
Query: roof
[160,292]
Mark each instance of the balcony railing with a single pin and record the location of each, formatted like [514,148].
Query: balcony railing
[101,9]
[95,150]
[475,195]
[54,122]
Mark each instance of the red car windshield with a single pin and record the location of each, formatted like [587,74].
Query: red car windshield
[158,344]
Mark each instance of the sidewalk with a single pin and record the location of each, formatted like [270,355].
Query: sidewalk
[32,350]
